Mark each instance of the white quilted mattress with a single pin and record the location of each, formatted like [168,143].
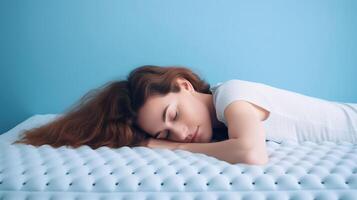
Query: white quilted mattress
[295,171]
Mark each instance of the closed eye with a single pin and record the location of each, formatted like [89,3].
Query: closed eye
[168,132]
[175,116]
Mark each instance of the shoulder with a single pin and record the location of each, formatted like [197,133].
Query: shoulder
[227,87]
[236,84]
[231,82]
[239,95]
[244,109]
[235,89]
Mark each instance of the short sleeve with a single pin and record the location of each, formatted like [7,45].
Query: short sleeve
[233,90]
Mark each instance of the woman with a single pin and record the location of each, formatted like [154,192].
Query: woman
[173,108]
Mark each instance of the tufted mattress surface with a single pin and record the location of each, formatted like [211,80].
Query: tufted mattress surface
[296,171]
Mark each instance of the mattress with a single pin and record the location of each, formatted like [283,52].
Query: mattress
[304,171]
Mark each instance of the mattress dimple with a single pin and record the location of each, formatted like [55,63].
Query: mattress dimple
[307,170]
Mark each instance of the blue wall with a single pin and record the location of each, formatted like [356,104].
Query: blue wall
[53,52]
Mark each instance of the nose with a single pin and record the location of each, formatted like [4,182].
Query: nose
[182,133]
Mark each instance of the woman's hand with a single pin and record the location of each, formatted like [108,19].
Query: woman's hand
[158,143]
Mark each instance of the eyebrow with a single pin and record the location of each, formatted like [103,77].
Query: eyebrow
[163,119]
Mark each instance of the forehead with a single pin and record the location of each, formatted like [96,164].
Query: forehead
[150,114]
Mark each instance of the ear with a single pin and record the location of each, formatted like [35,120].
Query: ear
[185,84]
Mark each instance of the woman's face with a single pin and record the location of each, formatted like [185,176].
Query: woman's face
[179,117]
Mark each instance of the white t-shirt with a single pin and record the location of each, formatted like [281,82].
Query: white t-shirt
[292,116]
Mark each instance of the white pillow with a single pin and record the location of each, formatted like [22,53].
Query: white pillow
[35,121]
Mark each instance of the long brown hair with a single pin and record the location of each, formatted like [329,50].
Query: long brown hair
[107,116]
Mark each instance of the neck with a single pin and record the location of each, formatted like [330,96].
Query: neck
[208,101]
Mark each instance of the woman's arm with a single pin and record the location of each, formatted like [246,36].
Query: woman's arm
[244,121]
[246,143]
[229,150]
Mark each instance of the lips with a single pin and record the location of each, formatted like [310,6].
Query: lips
[194,136]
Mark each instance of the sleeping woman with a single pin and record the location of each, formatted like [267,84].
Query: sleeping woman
[172,107]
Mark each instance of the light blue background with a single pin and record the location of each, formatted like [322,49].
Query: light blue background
[53,52]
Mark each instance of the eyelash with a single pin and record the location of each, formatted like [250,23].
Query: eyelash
[175,116]
[168,132]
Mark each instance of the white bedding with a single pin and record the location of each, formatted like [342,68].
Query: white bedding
[34,121]
[304,171]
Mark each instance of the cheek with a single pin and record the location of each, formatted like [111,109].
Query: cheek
[197,109]
[194,116]
[195,113]
[205,127]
